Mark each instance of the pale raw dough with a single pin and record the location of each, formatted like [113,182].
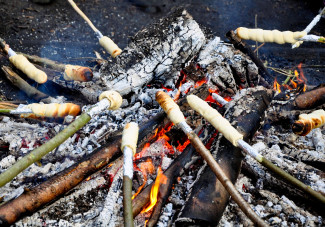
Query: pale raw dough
[22,63]
[170,107]
[130,136]
[110,46]
[114,97]
[269,36]
[215,118]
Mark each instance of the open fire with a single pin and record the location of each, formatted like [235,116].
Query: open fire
[172,184]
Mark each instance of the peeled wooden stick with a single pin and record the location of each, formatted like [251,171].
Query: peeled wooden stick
[223,126]
[104,41]
[176,116]
[108,100]
[71,72]
[308,122]
[129,147]
[21,62]
[310,26]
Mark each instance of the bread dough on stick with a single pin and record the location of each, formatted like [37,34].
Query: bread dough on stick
[110,46]
[308,122]
[215,118]
[170,107]
[54,109]
[78,73]
[273,36]
[130,136]
[21,63]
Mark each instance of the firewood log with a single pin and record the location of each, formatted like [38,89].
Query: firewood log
[208,198]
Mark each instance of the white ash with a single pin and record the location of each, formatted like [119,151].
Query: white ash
[165,217]
[274,209]
[112,213]
[6,162]
[318,141]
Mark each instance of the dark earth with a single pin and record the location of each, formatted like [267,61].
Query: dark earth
[57,32]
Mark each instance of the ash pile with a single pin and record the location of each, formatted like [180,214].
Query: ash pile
[179,57]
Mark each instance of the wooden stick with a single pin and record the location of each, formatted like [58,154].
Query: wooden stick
[111,100]
[176,116]
[104,41]
[128,146]
[310,26]
[228,131]
[16,80]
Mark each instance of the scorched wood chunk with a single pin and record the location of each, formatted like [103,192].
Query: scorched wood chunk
[208,198]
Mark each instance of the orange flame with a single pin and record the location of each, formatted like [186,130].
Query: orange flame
[160,179]
[276,86]
[299,84]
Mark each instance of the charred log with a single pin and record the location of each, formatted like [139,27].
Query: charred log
[157,52]
[310,99]
[33,199]
[242,46]
[208,197]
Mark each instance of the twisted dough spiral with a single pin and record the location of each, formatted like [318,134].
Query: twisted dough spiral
[54,109]
[273,36]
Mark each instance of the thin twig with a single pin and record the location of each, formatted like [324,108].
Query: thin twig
[310,27]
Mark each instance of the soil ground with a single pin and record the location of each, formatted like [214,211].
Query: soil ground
[57,32]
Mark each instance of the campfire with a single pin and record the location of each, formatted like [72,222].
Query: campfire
[178,128]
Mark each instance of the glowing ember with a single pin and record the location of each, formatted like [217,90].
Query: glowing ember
[145,168]
[181,147]
[139,155]
[199,83]
[160,179]
[167,89]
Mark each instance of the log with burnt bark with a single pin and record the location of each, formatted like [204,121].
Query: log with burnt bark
[208,198]
[287,107]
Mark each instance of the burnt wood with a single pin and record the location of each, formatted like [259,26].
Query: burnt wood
[242,46]
[208,198]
